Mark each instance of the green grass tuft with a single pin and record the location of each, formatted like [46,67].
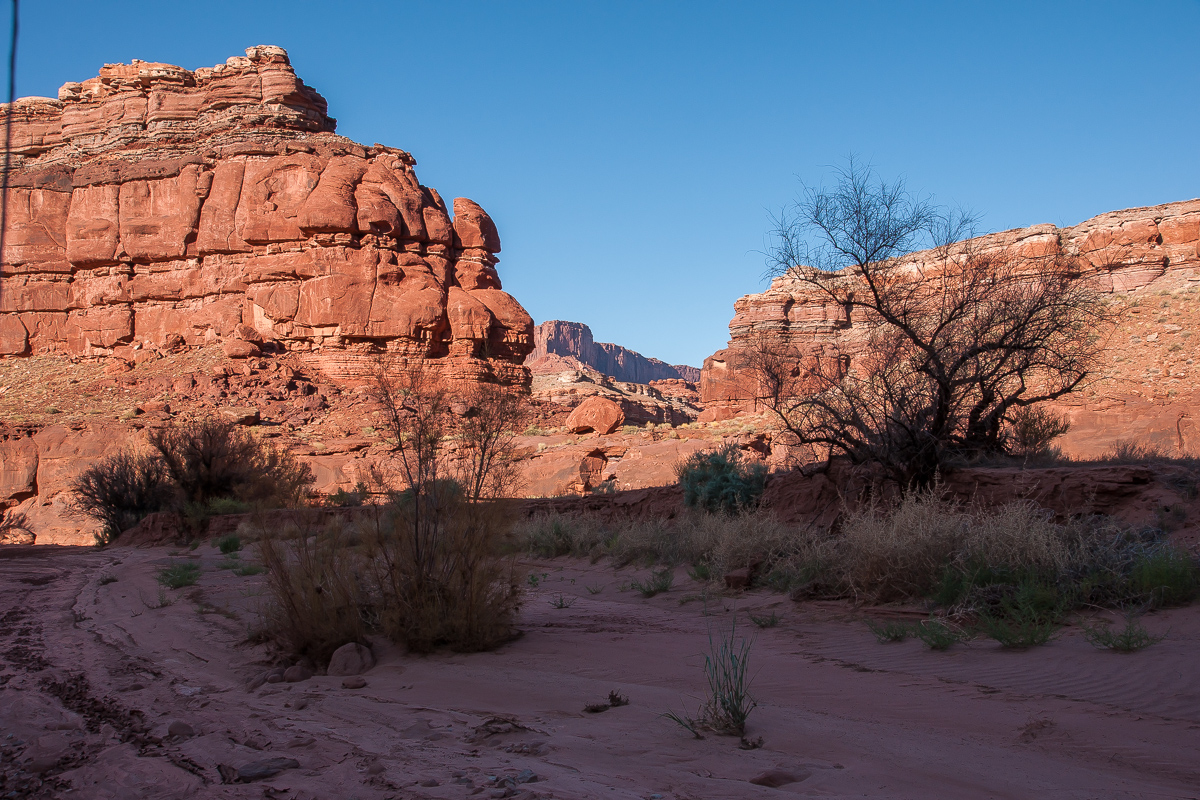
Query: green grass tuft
[938,635]
[658,582]
[890,630]
[179,574]
[1129,639]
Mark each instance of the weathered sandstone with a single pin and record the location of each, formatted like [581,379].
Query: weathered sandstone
[1149,258]
[560,345]
[156,207]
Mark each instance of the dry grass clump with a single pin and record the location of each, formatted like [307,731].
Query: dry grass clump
[336,583]
[424,566]
[894,553]
[713,543]
[442,581]
[1013,567]
[316,584]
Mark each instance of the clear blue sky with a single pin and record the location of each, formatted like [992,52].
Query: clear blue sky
[630,151]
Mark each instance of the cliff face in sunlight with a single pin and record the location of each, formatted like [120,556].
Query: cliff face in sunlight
[1150,257]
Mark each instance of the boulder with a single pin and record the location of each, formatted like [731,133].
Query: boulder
[351,659]
[297,673]
[180,729]
[241,415]
[597,414]
[240,348]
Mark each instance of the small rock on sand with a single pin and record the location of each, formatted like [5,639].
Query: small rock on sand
[180,729]
[774,778]
[257,770]
[351,659]
[353,682]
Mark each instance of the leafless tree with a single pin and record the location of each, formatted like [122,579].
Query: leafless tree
[434,547]
[950,343]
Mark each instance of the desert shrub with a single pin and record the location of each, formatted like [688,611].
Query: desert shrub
[178,574]
[1167,576]
[438,573]
[434,550]
[1033,430]
[553,534]
[1133,451]
[937,634]
[317,598]
[721,481]
[901,552]
[766,620]
[659,581]
[214,459]
[711,544]
[353,499]
[121,489]
[220,506]
[890,630]
[229,544]
[1130,638]
[1026,617]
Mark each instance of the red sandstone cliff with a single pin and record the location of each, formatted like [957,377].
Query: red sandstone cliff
[1146,389]
[572,343]
[155,207]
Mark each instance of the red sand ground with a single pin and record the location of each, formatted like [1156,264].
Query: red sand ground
[852,717]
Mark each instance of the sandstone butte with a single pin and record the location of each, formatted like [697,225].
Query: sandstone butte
[1148,258]
[155,207]
[559,345]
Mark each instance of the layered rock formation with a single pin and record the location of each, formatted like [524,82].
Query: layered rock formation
[641,403]
[1149,258]
[560,345]
[155,207]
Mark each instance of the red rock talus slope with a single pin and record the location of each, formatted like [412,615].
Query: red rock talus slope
[560,345]
[1146,389]
[157,207]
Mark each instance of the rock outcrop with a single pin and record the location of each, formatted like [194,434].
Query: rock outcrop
[560,345]
[1146,389]
[156,207]
[642,404]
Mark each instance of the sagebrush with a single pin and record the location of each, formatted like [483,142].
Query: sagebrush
[721,480]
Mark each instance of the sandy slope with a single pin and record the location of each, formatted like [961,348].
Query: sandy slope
[87,665]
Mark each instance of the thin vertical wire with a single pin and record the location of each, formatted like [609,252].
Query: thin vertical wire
[12,96]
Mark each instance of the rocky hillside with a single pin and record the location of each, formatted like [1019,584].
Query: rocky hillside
[560,346]
[155,208]
[1149,258]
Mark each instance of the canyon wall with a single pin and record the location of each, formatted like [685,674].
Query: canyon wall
[560,345]
[154,207]
[1148,258]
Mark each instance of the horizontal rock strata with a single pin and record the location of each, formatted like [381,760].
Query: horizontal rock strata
[1146,389]
[156,207]
[560,345]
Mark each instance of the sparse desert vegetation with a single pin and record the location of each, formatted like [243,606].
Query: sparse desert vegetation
[198,469]
[423,567]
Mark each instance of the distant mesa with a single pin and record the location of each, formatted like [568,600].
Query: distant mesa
[156,207]
[561,345]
